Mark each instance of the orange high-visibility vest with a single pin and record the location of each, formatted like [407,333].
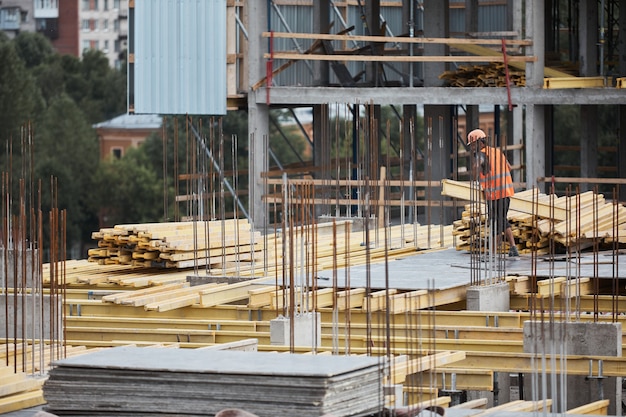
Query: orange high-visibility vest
[496,182]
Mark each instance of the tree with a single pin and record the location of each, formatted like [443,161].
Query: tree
[19,97]
[33,49]
[134,191]
[66,148]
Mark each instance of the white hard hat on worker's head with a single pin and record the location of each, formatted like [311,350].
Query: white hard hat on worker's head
[474,135]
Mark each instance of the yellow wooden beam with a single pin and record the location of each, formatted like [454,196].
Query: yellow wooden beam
[574,82]
[598,408]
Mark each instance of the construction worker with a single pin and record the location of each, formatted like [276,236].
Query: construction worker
[493,172]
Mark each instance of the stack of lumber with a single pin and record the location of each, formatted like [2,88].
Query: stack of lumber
[178,245]
[487,75]
[131,380]
[575,222]
[19,390]
[22,379]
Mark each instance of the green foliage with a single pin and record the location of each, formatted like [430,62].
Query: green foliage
[66,148]
[19,97]
[134,193]
[33,48]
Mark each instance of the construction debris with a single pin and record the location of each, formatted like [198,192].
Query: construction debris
[487,75]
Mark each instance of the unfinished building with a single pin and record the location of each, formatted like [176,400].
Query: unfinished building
[372,247]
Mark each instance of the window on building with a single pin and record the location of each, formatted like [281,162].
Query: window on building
[84,24]
[106,46]
[116,25]
[117,152]
[48,4]
[94,44]
[116,45]
[95,5]
[85,45]
[105,4]
[93,24]
[11,15]
[105,25]
[116,4]
[86,5]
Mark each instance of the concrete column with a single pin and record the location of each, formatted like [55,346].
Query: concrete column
[588,144]
[471,16]
[321,24]
[535,117]
[588,37]
[258,114]
[494,298]
[440,166]
[621,168]
[372,18]
[535,144]
[321,148]
[573,338]
[621,163]
[435,26]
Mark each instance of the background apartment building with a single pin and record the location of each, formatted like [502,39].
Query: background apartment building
[73,26]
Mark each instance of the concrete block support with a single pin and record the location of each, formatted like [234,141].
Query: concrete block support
[488,297]
[567,338]
[307,330]
[495,298]
[28,316]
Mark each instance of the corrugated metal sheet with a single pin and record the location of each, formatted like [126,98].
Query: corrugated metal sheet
[180,57]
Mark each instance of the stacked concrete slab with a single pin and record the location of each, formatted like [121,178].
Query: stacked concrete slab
[142,381]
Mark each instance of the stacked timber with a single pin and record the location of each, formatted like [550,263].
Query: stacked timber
[130,380]
[487,75]
[575,222]
[178,245]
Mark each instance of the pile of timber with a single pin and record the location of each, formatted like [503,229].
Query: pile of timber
[130,380]
[231,247]
[19,390]
[487,75]
[216,243]
[575,222]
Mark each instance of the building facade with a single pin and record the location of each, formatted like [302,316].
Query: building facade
[73,26]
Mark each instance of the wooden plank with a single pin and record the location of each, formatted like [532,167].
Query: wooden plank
[21,401]
[395,39]
[598,408]
[404,58]
[479,403]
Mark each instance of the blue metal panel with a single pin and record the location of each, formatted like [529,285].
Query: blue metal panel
[180,57]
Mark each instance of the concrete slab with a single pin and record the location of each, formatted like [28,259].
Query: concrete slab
[449,268]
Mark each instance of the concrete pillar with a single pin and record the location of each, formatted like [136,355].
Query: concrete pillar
[435,26]
[535,117]
[28,316]
[373,70]
[307,328]
[569,338]
[494,298]
[438,126]
[321,24]
[321,148]
[258,114]
[621,168]
[588,37]
[588,144]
